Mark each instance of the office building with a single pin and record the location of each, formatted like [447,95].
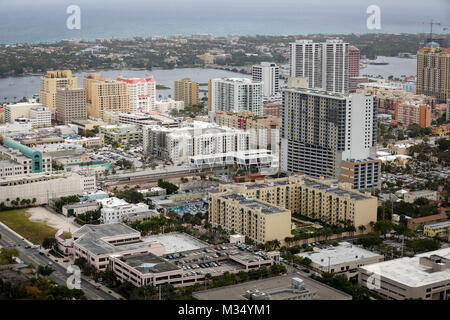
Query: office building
[320,130]
[235,94]
[326,65]
[114,210]
[322,199]
[256,219]
[345,258]
[51,82]
[40,116]
[186,90]
[285,287]
[70,104]
[353,61]
[433,77]
[431,195]
[44,186]
[127,133]
[269,74]
[104,94]
[425,276]
[31,160]
[19,110]
[142,93]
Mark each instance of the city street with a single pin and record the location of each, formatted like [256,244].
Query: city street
[60,276]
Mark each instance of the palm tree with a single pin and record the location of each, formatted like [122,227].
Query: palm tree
[362,228]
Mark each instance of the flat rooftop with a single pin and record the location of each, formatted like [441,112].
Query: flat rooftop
[355,195]
[237,292]
[409,271]
[176,242]
[149,263]
[251,203]
[343,253]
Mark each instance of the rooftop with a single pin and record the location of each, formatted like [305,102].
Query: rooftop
[274,284]
[176,242]
[253,204]
[409,271]
[149,263]
[343,253]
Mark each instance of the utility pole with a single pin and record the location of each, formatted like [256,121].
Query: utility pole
[159,292]
[403,243]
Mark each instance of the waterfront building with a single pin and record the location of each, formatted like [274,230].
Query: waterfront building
[51,82]
[142,93]
[186,90]
[269,74]
[70,104]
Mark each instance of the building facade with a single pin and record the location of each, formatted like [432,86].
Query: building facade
[186,90]
[325,64]
[269,74]
[235,94]
[51,82]
[411,112]
[142,93]
[320,130]
[321,199]
[70,104]
[433,76]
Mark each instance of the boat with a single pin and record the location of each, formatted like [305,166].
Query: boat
[378,62]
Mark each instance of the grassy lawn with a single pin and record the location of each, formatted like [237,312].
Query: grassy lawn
[34,231]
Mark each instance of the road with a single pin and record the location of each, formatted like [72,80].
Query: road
[60,276]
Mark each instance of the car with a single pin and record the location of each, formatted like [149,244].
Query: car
[97,287]
[27,247]
[50,263]
[41,253]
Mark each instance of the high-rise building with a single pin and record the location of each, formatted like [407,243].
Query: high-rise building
[235,94]
[324,64]
[269,74]
[50,82]
[70,104]
[186,90]
[433,75]
[104,94]
[353,61]
[320,130]
[142,93]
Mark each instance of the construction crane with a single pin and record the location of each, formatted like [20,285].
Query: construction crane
[431,23]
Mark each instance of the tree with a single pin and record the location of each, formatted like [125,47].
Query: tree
[8,256]
[383,226]
[45,270]
[49,243]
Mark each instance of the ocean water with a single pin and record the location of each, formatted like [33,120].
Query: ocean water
[45,20]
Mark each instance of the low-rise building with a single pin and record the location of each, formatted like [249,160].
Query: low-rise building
[439,229]
[43,186]
[410,197]
[425,276]
[345,258]
[415,223]
[78,208]
[114,209]
[121,133]
[167,105]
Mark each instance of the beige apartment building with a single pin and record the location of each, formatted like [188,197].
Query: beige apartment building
[186,90]
[321,199]
[266,129]
[104,94]
[256,219]
[70,104]
[433,76]
[49,84]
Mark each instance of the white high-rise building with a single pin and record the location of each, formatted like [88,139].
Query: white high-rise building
[325,64]
[236,94]
[269,74]
[142,92]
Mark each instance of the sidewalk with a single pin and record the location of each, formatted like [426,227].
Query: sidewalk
[16,234]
